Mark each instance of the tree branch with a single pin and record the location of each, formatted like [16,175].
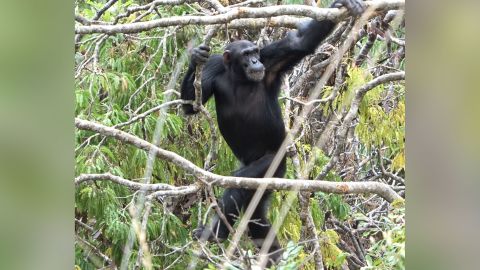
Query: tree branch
[99,258]
[128,183]
[236,13]
[108,5]
[381,189]
[197,83]
[175,192]
[256,23]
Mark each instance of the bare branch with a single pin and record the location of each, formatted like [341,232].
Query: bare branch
[180,191]
[216,5]
[307,220]
[360,252]
[383,190]
[197,83]
[82,20]
[99,257]
[246,3]
[108,5]
[396,76]
[156,3]
[387,173]
[150,6]
[371,38]
[279,21]
[236,13]
[119,180]
[152,110]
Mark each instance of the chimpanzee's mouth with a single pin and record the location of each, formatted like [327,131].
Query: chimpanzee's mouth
[256,75]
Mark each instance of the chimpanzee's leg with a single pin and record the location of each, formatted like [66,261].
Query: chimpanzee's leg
[258,229]
[235,199]
[259,225]
[232,202]
[256,169]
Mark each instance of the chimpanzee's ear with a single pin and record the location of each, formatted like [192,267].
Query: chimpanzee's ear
[226,57]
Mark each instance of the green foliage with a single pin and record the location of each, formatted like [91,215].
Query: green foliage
[378,128]
[318,214]
[334,203]
[389,252]
[333,257]
[291,227]
[324,202]
[356,78]
[292,257]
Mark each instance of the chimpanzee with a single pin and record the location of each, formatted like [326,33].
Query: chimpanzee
[246,81]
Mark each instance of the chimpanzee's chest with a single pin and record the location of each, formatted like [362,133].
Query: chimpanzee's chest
[248,106]
[249,118]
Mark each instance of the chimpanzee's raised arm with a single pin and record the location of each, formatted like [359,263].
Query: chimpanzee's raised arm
[282,55]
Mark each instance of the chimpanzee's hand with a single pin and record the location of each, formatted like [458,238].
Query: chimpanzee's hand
[200,54]
[355,7]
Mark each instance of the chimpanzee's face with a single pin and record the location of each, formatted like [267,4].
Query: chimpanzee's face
[247,55]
